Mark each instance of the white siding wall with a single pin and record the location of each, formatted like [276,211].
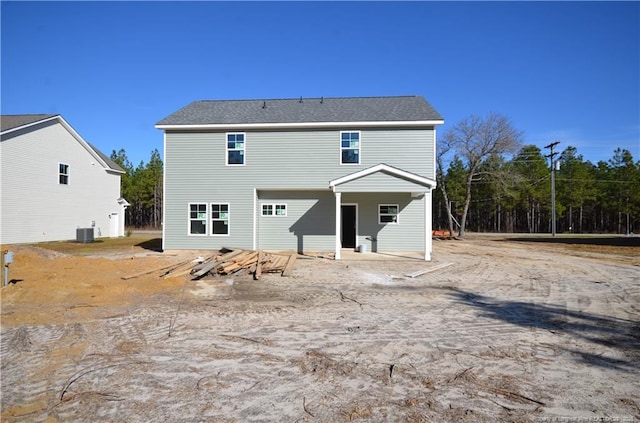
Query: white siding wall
[35,207]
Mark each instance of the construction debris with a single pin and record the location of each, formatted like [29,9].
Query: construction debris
[229,262]
[238,261]
[431,269]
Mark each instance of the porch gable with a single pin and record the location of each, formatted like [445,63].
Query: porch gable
[382,178]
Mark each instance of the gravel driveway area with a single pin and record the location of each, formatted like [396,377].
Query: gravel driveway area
[498,331]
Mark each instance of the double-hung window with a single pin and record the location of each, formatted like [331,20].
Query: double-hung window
[235,149]
[219,219]
[197,219]
[274,210]
[350,147]
[63,174]
[387,213]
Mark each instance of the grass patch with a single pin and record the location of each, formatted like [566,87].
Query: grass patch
[148,241]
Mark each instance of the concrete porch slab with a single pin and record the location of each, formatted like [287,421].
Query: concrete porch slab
[350,254]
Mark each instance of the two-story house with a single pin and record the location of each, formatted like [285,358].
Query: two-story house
[308,174]
[54,182]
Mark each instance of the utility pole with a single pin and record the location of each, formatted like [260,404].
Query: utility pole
[552,156]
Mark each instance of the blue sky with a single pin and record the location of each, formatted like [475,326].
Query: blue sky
[567,71]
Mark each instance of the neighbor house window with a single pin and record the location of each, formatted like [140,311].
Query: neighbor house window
[63,174]
[235,149]
[219,219]
[197,219]
[350,147]
[387,213]
[274,210]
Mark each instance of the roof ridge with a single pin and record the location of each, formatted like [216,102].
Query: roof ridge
[309,98]
[30,114]
[309,110]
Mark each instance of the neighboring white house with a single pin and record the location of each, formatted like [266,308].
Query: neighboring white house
[54,182]
[312,174]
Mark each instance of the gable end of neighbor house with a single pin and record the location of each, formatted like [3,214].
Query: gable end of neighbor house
[54,182]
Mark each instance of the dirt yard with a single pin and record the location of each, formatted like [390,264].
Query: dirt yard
[518,330]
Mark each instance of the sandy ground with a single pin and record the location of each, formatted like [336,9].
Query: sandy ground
[509,331]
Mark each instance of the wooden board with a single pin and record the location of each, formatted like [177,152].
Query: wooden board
[431,269]
[146,272]
[210,266]
[289,267]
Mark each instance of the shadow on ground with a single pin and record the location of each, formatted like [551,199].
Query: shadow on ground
[620,334]
[613,241]
[154,244]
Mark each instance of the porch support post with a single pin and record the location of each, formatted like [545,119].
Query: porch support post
[428,240]
[255,218]
[338,224]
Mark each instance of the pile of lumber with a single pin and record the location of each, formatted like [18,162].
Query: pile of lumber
[246,261]
[441,234]
[228,262]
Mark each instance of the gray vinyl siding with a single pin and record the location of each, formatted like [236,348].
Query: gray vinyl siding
[406,235]
[310,221]
[308,226]
[380,182]
[196,171]
[35,206]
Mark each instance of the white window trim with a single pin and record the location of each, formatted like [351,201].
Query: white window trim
[380,222]
[66,174]
[228,219]
[273,210]
[206,220]
[227,149]
[359,149]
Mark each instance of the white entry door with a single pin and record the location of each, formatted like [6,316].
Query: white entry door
[114,224]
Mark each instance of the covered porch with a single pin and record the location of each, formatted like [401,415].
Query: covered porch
[383,210]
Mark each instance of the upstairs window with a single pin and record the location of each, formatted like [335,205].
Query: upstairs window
[349,147]
[197,219]
[63,174]
[220,219]
[387,213]
[235,149]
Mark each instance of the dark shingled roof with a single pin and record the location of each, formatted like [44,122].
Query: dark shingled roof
[305,110]
[112,165]
[15,121]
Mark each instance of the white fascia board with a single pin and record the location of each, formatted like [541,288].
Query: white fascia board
[86,145]
[73,133]
[372,124]
[17,128]
[383,168]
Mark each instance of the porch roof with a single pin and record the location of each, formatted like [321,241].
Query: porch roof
[394,180]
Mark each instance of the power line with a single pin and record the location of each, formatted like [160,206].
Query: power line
[552,156]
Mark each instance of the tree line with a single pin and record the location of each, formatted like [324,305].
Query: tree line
[142,187]
[488,181]
[482,189]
